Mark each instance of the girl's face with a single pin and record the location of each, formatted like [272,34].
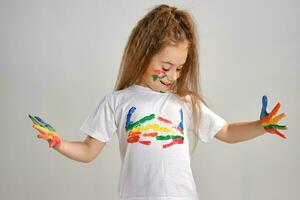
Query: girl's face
[165,67]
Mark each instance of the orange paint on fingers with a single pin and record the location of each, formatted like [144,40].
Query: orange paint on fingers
[274,111]
[40,129]
[45,136]
[279,117]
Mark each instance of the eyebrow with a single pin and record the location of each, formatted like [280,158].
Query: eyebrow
[168,62]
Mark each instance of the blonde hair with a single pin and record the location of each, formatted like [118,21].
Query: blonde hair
[162,26]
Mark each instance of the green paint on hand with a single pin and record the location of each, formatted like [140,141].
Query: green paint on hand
[276,126]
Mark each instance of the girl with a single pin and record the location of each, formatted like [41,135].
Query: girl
[155,107]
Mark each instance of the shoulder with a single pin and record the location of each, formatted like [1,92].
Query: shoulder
[116,97]
[189,100]
[116,94]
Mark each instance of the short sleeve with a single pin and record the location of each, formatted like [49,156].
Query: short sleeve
[210,124]
[100,123]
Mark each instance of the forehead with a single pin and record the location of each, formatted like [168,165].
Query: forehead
[174,53]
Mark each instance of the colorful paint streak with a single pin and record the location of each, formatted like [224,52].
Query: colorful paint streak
[270,120]
[150,134]
[148,127]
[157,71]
[158,74]
[128,122]
[46,131]
[175,141]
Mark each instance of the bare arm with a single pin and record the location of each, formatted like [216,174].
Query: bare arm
[84,151]
[240,131]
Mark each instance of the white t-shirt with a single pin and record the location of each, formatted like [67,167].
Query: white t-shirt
[152,129]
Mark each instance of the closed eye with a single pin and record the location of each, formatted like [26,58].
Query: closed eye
[168,69]
[165,69]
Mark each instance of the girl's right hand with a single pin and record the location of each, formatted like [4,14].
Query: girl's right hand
[46,131]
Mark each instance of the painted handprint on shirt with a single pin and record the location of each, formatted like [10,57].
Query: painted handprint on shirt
[140,131]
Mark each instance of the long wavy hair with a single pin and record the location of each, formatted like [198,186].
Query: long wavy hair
[162,26]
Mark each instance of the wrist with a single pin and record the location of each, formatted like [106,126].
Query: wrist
[261,125]
[59,145]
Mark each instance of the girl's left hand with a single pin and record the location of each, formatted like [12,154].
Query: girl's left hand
[269,120]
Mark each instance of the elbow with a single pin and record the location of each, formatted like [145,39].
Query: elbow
[234,141]
[91,157]
[227,140]
[86,160]
[224,136]
[231,142]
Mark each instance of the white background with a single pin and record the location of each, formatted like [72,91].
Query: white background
[58,58]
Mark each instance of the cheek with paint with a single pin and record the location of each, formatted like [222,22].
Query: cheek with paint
[158,74]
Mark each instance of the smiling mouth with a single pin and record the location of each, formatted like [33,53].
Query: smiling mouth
[166,84]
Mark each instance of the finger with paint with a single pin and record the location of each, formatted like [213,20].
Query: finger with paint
[47,132]
[270,120]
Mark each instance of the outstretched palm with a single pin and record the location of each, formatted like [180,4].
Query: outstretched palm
[269,120]
[47,132]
